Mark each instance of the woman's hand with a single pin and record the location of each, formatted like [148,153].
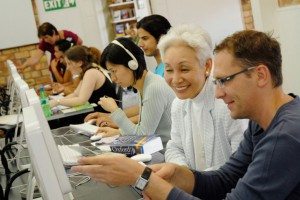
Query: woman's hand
[105,121]
[108,104]
[57,88]
[91,116]
[108,132]
[53,103]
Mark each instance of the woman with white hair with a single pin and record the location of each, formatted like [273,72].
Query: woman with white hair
[203,135]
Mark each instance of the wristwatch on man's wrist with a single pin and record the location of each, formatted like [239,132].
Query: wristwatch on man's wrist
[143,180]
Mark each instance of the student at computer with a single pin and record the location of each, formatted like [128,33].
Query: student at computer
[248,78]
[126,63]
[203,135]
[68,82]
[149,30]
[58,64]
[93,85]
[48,35]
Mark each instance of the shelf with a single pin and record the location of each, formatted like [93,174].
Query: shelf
[125,20]
[120,6]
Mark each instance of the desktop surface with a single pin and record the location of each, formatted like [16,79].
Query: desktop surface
[90,190]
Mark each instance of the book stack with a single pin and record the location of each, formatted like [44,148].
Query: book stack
[136,144]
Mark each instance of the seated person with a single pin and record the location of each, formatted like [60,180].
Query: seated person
[68,87]
[93,85]
[126,63]
[248,78]
[149,30]
[58,65]
[203,134]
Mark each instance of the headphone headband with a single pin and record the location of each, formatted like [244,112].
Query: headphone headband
[132,64]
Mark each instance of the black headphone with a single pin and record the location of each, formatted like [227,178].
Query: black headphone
[132,64]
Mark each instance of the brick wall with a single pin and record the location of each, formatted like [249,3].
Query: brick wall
[247,14]
[40,74]
[283,3]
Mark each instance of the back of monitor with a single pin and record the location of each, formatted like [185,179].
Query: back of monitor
[41,162]
[50,144]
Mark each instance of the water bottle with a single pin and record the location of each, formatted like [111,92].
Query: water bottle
[45,102]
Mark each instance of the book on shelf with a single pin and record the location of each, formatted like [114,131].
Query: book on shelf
[127,13]
[117,1]
[120,30]
[117,15]
[136,144]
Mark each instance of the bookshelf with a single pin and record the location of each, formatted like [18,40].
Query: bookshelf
[123,14]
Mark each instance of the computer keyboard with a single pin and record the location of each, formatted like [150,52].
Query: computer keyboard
[85,128]
[69,154]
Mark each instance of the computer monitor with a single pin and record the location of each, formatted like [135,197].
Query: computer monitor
[46,159]
[12,70]
[21,87]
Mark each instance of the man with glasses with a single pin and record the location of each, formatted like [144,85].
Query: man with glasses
[248,77]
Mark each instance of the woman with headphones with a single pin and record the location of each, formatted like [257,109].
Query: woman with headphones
[126,63]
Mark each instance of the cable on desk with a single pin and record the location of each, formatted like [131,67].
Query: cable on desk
[66,133]
[1,192]
[11,180]
[84,179]
[17,186]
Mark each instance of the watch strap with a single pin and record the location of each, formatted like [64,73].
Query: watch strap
[146,173]
[142,181]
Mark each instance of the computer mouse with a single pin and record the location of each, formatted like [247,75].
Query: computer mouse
[91,121]
[142,157]
[96,137]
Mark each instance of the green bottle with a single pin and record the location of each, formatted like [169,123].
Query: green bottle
[45,102]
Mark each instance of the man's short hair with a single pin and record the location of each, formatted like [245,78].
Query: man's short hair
[47,29]
[252,48]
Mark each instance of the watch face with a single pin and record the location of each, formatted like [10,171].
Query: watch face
[141,184]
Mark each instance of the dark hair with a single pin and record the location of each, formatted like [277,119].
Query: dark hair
[252,48]
[156,25]
[63,45]
[47,29]
[117,55]
[80,53]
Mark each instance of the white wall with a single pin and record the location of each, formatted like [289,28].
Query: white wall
[284,23]
[289,31]
[17,21]
[86,20]
[219,18]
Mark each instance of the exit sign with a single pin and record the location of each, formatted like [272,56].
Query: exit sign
[50,5]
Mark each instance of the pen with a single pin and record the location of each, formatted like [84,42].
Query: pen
[112,98]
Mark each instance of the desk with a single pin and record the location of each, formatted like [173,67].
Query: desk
[88,191]
[61,119]
[60,114]
[95,190]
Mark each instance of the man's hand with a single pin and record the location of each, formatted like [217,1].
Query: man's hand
[111,169]
[175,174]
